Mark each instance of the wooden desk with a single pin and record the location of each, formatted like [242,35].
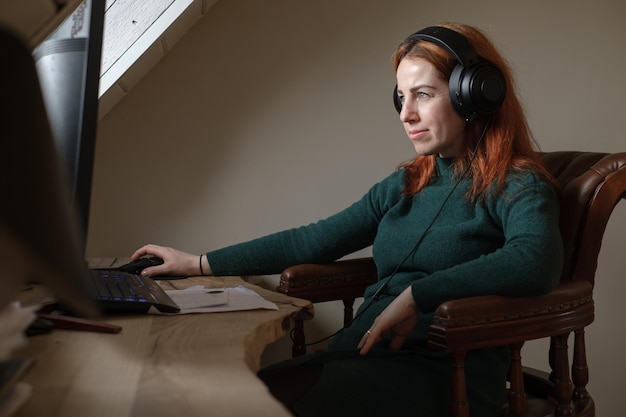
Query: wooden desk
[186,365]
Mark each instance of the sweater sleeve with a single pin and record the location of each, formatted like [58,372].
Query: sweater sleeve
[351,229]
[528,263]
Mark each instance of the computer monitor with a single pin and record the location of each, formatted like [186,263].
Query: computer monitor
[68,64]
[39,235]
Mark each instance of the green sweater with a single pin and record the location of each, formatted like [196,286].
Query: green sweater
[509,245]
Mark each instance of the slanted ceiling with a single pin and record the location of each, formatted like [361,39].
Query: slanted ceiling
[137,34]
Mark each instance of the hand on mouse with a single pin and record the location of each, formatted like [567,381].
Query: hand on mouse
[175,262]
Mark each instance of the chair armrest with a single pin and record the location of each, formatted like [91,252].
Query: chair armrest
[492,320]
[329,281]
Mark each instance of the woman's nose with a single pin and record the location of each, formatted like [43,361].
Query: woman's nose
[408,112]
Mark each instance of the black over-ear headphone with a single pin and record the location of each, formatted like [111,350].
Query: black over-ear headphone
[477,87]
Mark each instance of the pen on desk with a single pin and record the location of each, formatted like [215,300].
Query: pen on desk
[77,323]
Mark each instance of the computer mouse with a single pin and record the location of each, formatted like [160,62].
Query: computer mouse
[135,267]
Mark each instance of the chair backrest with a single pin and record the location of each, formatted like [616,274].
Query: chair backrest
[591,185]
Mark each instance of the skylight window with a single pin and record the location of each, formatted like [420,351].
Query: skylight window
[131,28]
[137,34]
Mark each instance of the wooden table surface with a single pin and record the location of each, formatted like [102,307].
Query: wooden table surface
[180,365]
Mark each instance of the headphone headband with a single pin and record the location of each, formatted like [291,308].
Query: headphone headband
[453,42]
[476,86]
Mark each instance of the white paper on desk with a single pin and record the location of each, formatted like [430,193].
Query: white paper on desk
[199,299]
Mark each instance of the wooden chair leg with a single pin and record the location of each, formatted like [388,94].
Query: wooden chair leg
[561,377]
[580,371]
[299,342]
[459,406]
[517,393]
[348,311]
[299,345]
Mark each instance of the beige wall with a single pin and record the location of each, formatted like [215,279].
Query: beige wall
[272,114]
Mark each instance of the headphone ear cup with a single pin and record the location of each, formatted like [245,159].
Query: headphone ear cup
[477,90]
[460,103]
[396,100]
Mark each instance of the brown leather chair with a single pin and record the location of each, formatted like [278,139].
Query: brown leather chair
[592,184]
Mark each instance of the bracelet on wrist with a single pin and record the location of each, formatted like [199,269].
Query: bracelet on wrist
[200,264]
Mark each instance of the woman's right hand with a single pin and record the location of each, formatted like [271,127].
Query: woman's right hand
[398,318]
[175,262]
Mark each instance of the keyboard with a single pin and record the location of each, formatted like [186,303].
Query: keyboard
[124,292]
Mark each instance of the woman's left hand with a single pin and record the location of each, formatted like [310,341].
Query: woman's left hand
[400,318]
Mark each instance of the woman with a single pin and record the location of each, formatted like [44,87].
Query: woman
[473,213]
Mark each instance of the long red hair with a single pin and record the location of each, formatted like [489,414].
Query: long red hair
[507,143]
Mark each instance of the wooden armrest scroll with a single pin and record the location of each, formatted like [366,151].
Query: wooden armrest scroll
[328,281]
[485,321]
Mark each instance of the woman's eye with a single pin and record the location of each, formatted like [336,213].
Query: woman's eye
[422,95]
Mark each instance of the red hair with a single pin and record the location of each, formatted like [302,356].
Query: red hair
[507,143]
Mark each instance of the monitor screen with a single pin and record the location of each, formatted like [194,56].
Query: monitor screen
[68,64]
[38,234]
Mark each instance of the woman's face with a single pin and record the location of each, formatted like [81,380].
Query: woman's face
[427,113]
